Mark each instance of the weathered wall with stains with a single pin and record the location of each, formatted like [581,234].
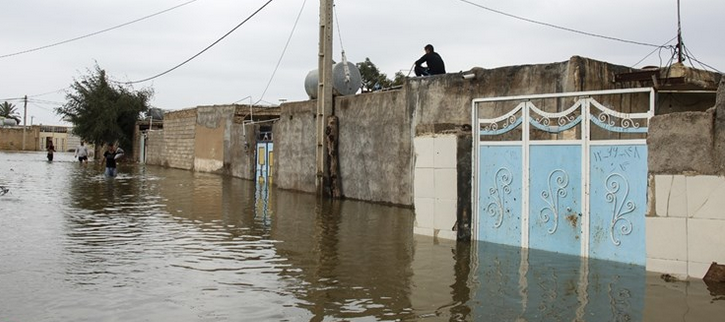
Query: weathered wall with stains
[294,144]
[687,167]
[212,137]
[690,142]
[377,129]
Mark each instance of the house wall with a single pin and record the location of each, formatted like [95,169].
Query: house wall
[11,138]
[686,221]
[156,148]
[212,137]
[178,140]
[377,130]
[206,139]
[239,159]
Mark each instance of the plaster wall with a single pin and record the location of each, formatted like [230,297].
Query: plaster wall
[377,130]
[239,159]
[294,145]
[212,137]
[686,221]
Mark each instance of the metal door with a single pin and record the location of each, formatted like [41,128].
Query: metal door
[565,178]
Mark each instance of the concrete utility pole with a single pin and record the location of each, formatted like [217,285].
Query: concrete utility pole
[680,58]
[25,117]
[324,95]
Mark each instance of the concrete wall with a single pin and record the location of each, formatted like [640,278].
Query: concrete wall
[686,221]
[240,158]
[377,129]
[11,138]
[294,145]
[212,137]
[376,147]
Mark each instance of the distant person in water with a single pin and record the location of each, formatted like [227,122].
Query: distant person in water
[111,155]
[51,150]
[82,153]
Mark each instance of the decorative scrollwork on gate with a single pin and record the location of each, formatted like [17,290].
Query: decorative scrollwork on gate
[614,121]
[617,194]
[555,122]
[560,180]
[501,187]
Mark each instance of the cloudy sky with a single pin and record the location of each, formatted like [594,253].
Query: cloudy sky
[267,58]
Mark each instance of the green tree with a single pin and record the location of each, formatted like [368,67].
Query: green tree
[102,111]
[7,110]
[371,76]
[399,79]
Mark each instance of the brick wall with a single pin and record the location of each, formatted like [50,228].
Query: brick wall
[174,146]
[155,151]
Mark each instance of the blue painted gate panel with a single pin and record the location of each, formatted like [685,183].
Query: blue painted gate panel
[555,207]
[618,201]
[500,194]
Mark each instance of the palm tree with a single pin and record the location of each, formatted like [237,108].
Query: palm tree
[8,110]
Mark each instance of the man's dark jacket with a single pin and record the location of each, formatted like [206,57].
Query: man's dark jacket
[434,62]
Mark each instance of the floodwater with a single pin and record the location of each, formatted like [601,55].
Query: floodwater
[158,244]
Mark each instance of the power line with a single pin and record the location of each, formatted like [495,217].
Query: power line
[656,49]
[48,93]
[337,22]
[97,32]
[692,57]
[283,51]
[201,52]
[560,27]
[45,102]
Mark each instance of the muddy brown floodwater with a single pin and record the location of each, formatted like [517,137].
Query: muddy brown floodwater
[157,244]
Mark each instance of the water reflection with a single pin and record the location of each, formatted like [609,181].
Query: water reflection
[159,244]
[553,287]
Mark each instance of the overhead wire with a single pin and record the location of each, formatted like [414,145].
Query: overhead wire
[97,32]
[559,27]
[689,55]
[284,50]
[201,52]
[337,22]
[345,67]
[653,51]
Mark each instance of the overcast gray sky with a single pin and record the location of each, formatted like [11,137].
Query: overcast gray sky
[391,33]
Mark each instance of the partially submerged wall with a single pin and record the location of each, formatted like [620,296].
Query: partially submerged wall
[294,142]
[179,134]
[156,148]
[686,221]
[206,139]
[212,137]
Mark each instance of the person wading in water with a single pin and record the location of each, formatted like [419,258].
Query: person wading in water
[111,155]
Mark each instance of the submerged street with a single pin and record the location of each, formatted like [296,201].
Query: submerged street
[157,244]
